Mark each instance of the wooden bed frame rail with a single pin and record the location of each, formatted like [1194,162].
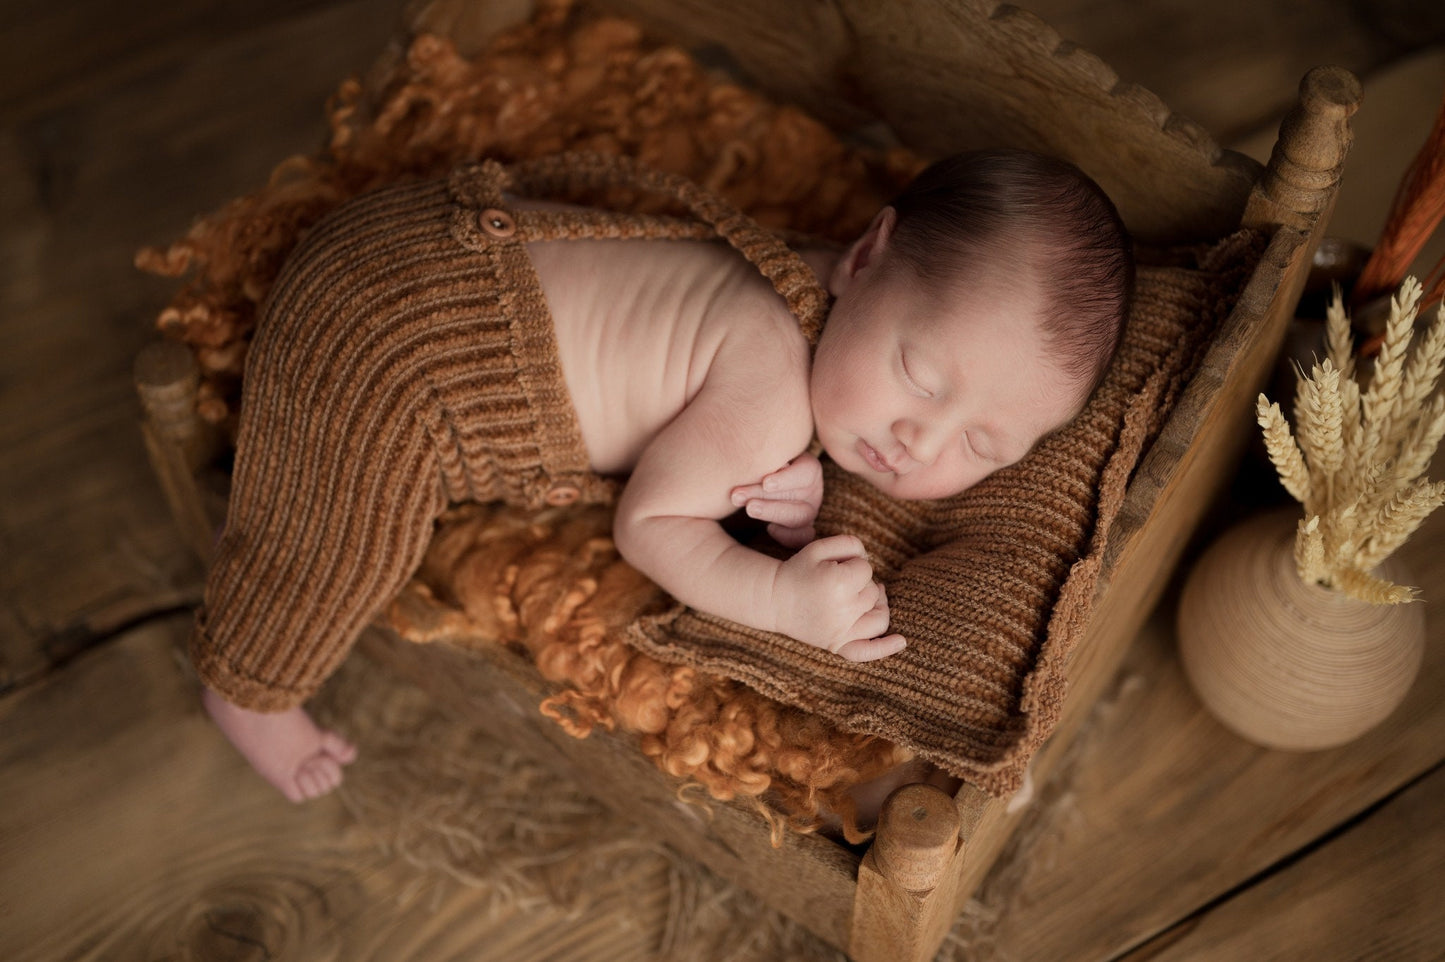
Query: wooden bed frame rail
[897,901]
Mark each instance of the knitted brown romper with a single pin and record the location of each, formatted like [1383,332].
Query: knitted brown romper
[406,359]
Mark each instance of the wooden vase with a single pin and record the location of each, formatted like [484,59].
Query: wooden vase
[1287,664]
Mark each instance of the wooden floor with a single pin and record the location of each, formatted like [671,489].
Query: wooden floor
[129,830]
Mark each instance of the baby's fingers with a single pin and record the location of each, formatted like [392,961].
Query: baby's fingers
[790,537]
[791,514]
[803,473]
[839,547]
[745,493]
[871,649]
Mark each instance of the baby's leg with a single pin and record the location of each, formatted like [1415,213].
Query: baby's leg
[286,748]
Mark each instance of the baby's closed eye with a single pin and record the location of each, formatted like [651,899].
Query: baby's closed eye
[981,449]
[910,378]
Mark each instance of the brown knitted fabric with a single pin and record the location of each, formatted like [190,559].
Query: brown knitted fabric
[991,587]
[406,359]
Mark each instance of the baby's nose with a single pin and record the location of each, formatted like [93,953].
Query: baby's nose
[921,440]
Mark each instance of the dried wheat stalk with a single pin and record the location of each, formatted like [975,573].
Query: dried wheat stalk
[1358,459]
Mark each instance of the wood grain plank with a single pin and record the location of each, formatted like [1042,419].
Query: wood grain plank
[1164,809]
[123,805]
[84,183]
[51,53]
[132,831]
[1373,892]
[1231,66]
[806,877]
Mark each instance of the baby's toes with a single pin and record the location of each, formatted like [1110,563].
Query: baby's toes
[338,747]
[319,775]
[294,790]
[308,786]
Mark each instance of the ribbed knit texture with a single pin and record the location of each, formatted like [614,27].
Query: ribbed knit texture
[993,587]
[406,359]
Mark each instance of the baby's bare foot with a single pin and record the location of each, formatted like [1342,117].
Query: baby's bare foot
[288,749]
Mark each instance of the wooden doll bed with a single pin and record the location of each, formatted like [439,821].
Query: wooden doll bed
[942,77]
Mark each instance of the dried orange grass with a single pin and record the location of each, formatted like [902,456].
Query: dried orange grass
[1358,459]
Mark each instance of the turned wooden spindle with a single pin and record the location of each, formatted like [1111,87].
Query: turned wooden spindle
[167,378]
[178,441]
[917,836]
[908,881]
[1309,157]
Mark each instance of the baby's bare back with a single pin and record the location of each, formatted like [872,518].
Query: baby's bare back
[642,325]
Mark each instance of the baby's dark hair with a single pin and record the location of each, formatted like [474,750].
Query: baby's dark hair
[971,208]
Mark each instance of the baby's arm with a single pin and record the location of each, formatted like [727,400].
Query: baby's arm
[788,499]
[667,527]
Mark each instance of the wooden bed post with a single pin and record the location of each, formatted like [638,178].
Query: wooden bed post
[1298,188]
[908,882]
[177,440]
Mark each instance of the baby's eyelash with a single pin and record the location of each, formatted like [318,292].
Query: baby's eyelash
[903,363]
[973,449]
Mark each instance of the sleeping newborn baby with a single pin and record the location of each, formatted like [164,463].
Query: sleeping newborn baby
[469,339]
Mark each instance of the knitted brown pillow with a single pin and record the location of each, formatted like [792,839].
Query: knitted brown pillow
[993,586]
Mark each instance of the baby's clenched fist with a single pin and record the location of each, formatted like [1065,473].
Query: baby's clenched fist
[825,595]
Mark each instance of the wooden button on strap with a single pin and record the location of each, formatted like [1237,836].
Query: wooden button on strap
[563,493]
[497,222]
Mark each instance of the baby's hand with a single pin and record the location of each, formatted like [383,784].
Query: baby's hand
[828,598]
[788,499]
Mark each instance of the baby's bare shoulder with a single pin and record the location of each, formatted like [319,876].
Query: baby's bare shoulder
[758,382]
[761,342]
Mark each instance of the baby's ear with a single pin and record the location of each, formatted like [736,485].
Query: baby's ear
[864,251]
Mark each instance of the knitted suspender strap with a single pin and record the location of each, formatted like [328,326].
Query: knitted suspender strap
[564,174]
[605,224]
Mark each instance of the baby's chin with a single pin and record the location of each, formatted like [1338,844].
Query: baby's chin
[901,488]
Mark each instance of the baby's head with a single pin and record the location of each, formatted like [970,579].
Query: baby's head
[975,316]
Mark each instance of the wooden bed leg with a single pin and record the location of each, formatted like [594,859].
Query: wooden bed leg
[177,440]
[908,881]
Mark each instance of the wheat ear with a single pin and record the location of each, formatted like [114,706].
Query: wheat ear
[1320,434]
[1422,372]
[1378,406]
[1339,343]
[1309,551]
[1284,453]
[1419,445]
[1366,587]
[1397,520]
